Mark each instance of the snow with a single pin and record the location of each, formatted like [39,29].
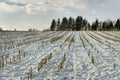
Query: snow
[79,48]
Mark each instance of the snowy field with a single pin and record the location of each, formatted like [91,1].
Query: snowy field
[58,55]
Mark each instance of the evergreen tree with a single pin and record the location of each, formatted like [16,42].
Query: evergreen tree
[64,24]
[70,23]
[117,24]
[58,24]
[104,25]
[95,25]
[79,23]
[53,25]
[111,26]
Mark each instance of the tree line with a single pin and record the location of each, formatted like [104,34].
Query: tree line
[29,30]
[81,24]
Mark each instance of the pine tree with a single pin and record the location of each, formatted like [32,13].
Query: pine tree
[58,24]
[111,26]
[53,25]
[95,25]
[117,24]
[79,23]
[64,24]
[70,23]
[104,25]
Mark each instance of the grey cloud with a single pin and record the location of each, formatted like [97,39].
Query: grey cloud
[43,6]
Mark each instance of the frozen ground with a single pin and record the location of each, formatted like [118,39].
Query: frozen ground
[82,55]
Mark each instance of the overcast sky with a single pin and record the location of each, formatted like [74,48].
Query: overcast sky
[24,14]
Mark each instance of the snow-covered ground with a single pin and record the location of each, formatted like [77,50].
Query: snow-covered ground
[83,55]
